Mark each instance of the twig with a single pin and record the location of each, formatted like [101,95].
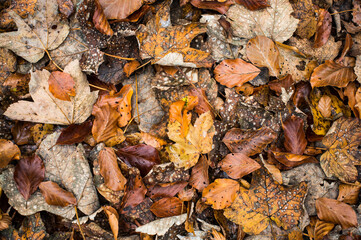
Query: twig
[77,218]
[350,10]
[114,56]
[94,86]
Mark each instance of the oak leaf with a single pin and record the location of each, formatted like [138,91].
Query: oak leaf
[342,142]
[295,137]
[48,109]
[55,195]
[8,152]
[221,193]
[267,201]
[61,85]
[324,25]
[235,72]
[237,165]
[167,207]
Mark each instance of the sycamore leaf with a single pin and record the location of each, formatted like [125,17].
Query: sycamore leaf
[55,195]
[274,22]
[48,109]
[41,32]
[167,207]
[342,142]
[61,85]
[170,45]
[295,137]
[221,193]
[8,152]
[267,201]
[237,165]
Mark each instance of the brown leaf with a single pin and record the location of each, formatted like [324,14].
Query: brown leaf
[66,7]
[302,93]
[61,85]
[322,228]
[8,152]
[350,92]
[262,52]
[153,141]
[113,218]
[248,142]
[199,177]
[21,7]
[331,210]
[286,82]
[136,191]
[166,189]
[100,21]
[75,133]
[324,106]
[39,131]
[219,6]
[295,138]
[346,48]
[221,193]
[332,74]
[141,156]
[273,171]
[203,103]
[109,169]
[235,72]
[323,31]
[5,221]
[237,165]
[348,193]
[304,10]
[253,4]
[293,160]
[55,195]
[120,9]
[130,67]
[29,173]
[168,207]
[21,132]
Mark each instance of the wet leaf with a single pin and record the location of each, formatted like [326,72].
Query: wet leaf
[323,31]
[254,4]
[61,85]
[237,165]
[267,201]
[348,193]
[166,189]
[295,138]
[324,106]
[221,193]
[66,7]
[136,191]
[8,152]
[293,160]
[130,67]
[331,210]
[75,133]
[100,21]
[32,227]
[29,173]
[168,207]
[55,195]
[219,6]
[39,131]
[120,9]
[199,177]
[113,218]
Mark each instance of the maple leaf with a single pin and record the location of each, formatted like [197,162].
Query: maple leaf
[267,201]
[170,45]
[343,153]
[41,32]
[48,109]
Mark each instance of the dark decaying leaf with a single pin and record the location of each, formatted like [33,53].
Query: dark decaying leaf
[199,178]
[237,165]
[29,173]
[55,195]
[295,138]
[253,4]
[323,31]
[66,7]
[166,189]
[136,191]
[75,133]
[168,207]
[21,132]
[285,82]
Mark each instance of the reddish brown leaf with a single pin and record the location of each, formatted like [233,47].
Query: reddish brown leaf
[168,207]
[348,193]
[346,48]
[302,93]
[75,133]
[166,189]
[331,210]
[350,92]
[141,156]
[61,85]
[235,72]
[55,195]
[295,138]
[66,7]
[8,152]
[120,9]
[136,191]
[100,21]
[221,193]
[332,74]
[22,132]
[187,194]
[323,31]
[286,82]
[113,218]
[199,178]
[237,165]
[109,169]
[203,103]
[29,173]
[248,142]
[130,67]
[293,160]
[253,4]
[219,6]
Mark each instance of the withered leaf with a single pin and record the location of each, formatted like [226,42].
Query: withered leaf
[61,85]
[100,21]
[20,7]
[295,137]
[322,228]
[324,106]
[29,173]
[348,193]
[5,221]
[66,7]
[219,6]
[113,218]
[55,195]
[237,165]
[8,152]
[168,207]
[130,67]
[293,160]
[120,9]
[323,31]
[166,189]
[248,142]
[267,201]
[136,191]
[75,133]
[304,10]
[221,193]
[253,4]
[199,178]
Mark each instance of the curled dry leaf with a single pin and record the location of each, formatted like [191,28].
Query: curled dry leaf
[130,67]
[100,21]
[61,85]
[168,207]
[199,177]
[109,169]
[75,133]
[221,193]
[219,6]
[324,106]
[235,72]
[29,173]
[5,221]
[323,31]
[331,210]
[166,189]
[322,228]
[55,195]
[293,160]
[113,218]
[348,193]
[295,137]
[254,4]
[237,165]
[8,152]
[262,52]
[248,142]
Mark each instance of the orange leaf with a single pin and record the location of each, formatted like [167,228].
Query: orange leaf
[221,193]
[8,152]
[202,104]
[120,9]
[130,67]
[219,6]
[237,165]
[323,31]
[295,138]
[61,85]
[113,218]
[332,74]
[100,21]
[262,52]
[21,7]
[293,160]
[253,4]
[235,72]
[199,178]
[109,169]
[55,195]
[324,106]
[168,207]
[322,228]
[331,210]
[348,193]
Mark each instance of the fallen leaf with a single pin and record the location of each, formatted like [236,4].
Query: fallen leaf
[39,131]
[350,92]
[237,165]
[48,109]
[55,195]
[29,173]
[168,207]
[273,170]
[293,160]
[219,6]
[346,48]
[221,193]
[348,193]
[199,177]
[131,67]
[253,4]
[61,85]
[331,73]
[324,106]
[66,7]
[20,7]
[36,35]
[136,191]
[295,137]
[120,9]
[166,189]
[32,227]
[5,221]
[248,142]
[285,82]
[235,72]
[161,226]
[342,141]
[153,141]
[304,10]
[331,210]
[8,152]
[109,169]
[267,201]
[100,21]
[262,52]
[75,133]
[113,218]
[323,31]
[275,22]
[322,228]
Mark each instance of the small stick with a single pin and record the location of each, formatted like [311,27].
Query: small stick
[77,218]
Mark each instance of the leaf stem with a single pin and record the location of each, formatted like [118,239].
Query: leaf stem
[114,56]
[349,10]
[77,218]
[97,87]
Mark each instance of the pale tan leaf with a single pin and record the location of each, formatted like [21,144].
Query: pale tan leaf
[324,106]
